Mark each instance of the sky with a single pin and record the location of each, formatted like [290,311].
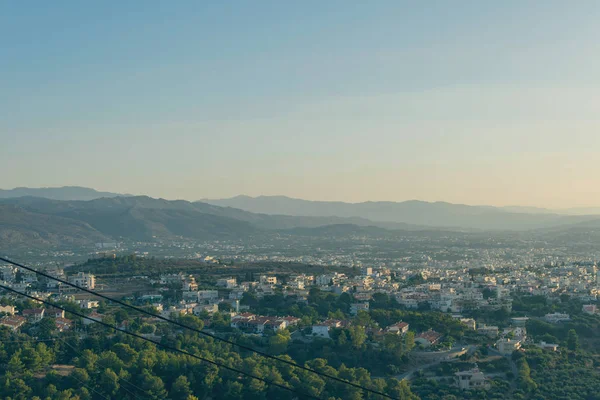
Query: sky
[473,102]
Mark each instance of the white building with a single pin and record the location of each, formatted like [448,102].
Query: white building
[356,307]
[228,283]
[322,328]
[547,346]
[189,296]
[81,279]
[10,310]
[557,317]
[210,295]
[472,379]
[210,308]
[268,280]
[489,330]
[323,280]
[399,328]
[507,346]
[470,322]
[89,303]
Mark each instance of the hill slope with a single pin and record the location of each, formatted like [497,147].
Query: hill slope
[22,228]
[139,218]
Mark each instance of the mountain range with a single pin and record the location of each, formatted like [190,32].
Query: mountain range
[58,193]
[420,213]
[47,222]
[39,222]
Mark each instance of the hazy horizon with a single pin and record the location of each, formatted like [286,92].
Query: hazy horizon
[479,103]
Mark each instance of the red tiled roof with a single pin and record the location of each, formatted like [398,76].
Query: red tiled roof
[14,321]
[430,336]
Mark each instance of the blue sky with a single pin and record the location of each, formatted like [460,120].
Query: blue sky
[472,102]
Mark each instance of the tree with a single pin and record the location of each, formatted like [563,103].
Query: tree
[363,319]
[181,388]
[125,353]
[153,385]
[572,340]
[358,336]
[234,391]
[31,359]
[342,339]
[46,328]
[278,343]
[15,365]
[19,389]
[88,360]
[121,315]
[109,382]
[80,377]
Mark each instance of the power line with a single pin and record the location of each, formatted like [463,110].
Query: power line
[215,337]
[218,364]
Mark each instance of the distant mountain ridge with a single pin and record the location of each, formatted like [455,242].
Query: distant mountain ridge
[111,216]
[58,193]
[39,222]
[414,212]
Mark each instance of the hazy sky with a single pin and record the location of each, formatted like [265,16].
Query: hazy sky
[478,102]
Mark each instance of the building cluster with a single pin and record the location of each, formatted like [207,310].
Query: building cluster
[259,324]
[34,315]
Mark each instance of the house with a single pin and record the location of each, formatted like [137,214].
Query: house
[507,346]
[519,321]
[517,333]
[356,307]
[291,321]
[589,308]
[34,314]
[93,317]
[236,294]
[63,324]
[189,284]
[210,308]
[88,304]
[557,317]
[207,295]
[189,296]
[472,379]
[228,283]
[470,322]
[547,346]
[258,324]
[322,328]
[54,312]
[399,328]
[488,330]
[268,280]
[428,338]
[13,322]
[10,310]
[87,281]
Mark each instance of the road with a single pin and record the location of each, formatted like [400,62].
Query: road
[408,374]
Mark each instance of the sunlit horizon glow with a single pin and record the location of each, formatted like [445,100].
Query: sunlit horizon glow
[480,104]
